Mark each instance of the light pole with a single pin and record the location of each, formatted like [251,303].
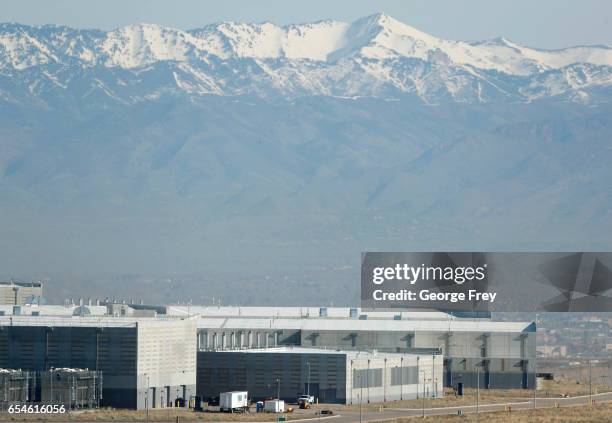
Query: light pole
[147,399]
[308,383]
[360,396]
[278,389]
[418,373]
[590,384]
[433,370]
[535,364]
[169,410]
[424,393]
[401,378]
[357,374]
[477,388]
[401,382]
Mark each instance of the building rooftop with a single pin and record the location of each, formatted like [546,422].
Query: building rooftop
[321,324]
[22,284]
[303,312]
[10,371]
[82,321]
[272,318]
[53,310]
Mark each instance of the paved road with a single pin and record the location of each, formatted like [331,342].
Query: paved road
[523,404]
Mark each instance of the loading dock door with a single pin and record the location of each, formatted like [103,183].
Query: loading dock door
[329,396]
[314,389]
[153,399]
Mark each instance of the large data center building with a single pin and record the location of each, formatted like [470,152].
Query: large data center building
[501,354]
[143,362]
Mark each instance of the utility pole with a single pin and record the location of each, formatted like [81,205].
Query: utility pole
[308,385]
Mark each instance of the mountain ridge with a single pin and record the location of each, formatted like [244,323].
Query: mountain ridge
[373,56]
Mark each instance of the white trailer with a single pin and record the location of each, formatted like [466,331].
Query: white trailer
[274,406]
[233,402]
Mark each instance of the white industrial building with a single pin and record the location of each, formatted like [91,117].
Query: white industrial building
[501,354]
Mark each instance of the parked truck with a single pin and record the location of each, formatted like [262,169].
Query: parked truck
[234,402]
[310,399]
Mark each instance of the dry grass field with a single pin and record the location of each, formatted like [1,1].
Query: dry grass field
[599,414]
[551,389]
[160,415]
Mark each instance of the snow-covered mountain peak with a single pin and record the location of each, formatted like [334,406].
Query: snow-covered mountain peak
[380,36]
[381,22]
[374,55]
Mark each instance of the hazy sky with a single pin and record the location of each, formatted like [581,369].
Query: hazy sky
[540,23]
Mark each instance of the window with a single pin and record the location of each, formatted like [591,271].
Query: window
[367,378]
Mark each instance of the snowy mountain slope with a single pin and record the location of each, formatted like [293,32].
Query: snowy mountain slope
[373,56]
[267,41]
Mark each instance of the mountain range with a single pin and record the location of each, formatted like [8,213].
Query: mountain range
[373,56]
[254,163]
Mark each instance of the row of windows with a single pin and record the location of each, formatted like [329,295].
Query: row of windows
[373,378]
[238,339]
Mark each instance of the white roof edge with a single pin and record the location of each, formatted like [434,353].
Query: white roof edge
[84,321]
[307,350]
[238,323]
